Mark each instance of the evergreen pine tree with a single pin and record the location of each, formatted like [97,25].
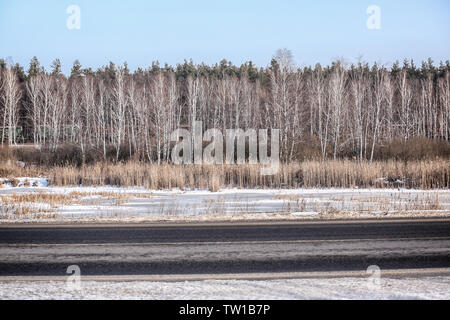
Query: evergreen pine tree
[56,67]
[76,69]
[35,67]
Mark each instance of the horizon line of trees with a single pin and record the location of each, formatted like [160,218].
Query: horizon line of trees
[341,108]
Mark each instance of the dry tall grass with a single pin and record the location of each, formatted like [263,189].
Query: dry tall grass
[310,174]
[10,169]
[414,174]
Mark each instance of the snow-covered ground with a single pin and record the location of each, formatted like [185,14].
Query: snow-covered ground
[293,289]
[138,203]
[24,182]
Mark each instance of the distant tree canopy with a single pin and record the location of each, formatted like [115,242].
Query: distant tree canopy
[282,58]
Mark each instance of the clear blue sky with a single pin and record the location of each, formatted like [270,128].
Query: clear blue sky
[139,31]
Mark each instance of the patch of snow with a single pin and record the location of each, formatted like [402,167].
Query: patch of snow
[25,182]
[437,288]
[304,213]
[113,202]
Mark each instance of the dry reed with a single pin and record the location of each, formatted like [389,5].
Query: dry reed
[310,174]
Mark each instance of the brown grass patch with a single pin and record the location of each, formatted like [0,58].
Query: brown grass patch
[52,199]
[432,174]
[309,174]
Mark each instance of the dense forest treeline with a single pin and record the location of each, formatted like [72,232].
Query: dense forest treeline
[323,112]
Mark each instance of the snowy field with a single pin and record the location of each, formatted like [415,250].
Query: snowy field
[32,199]
[302,289]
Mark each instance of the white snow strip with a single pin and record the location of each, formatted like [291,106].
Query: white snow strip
[437,288]
[25,182]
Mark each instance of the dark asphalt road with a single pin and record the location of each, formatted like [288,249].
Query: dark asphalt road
[322,230]
[224,248]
